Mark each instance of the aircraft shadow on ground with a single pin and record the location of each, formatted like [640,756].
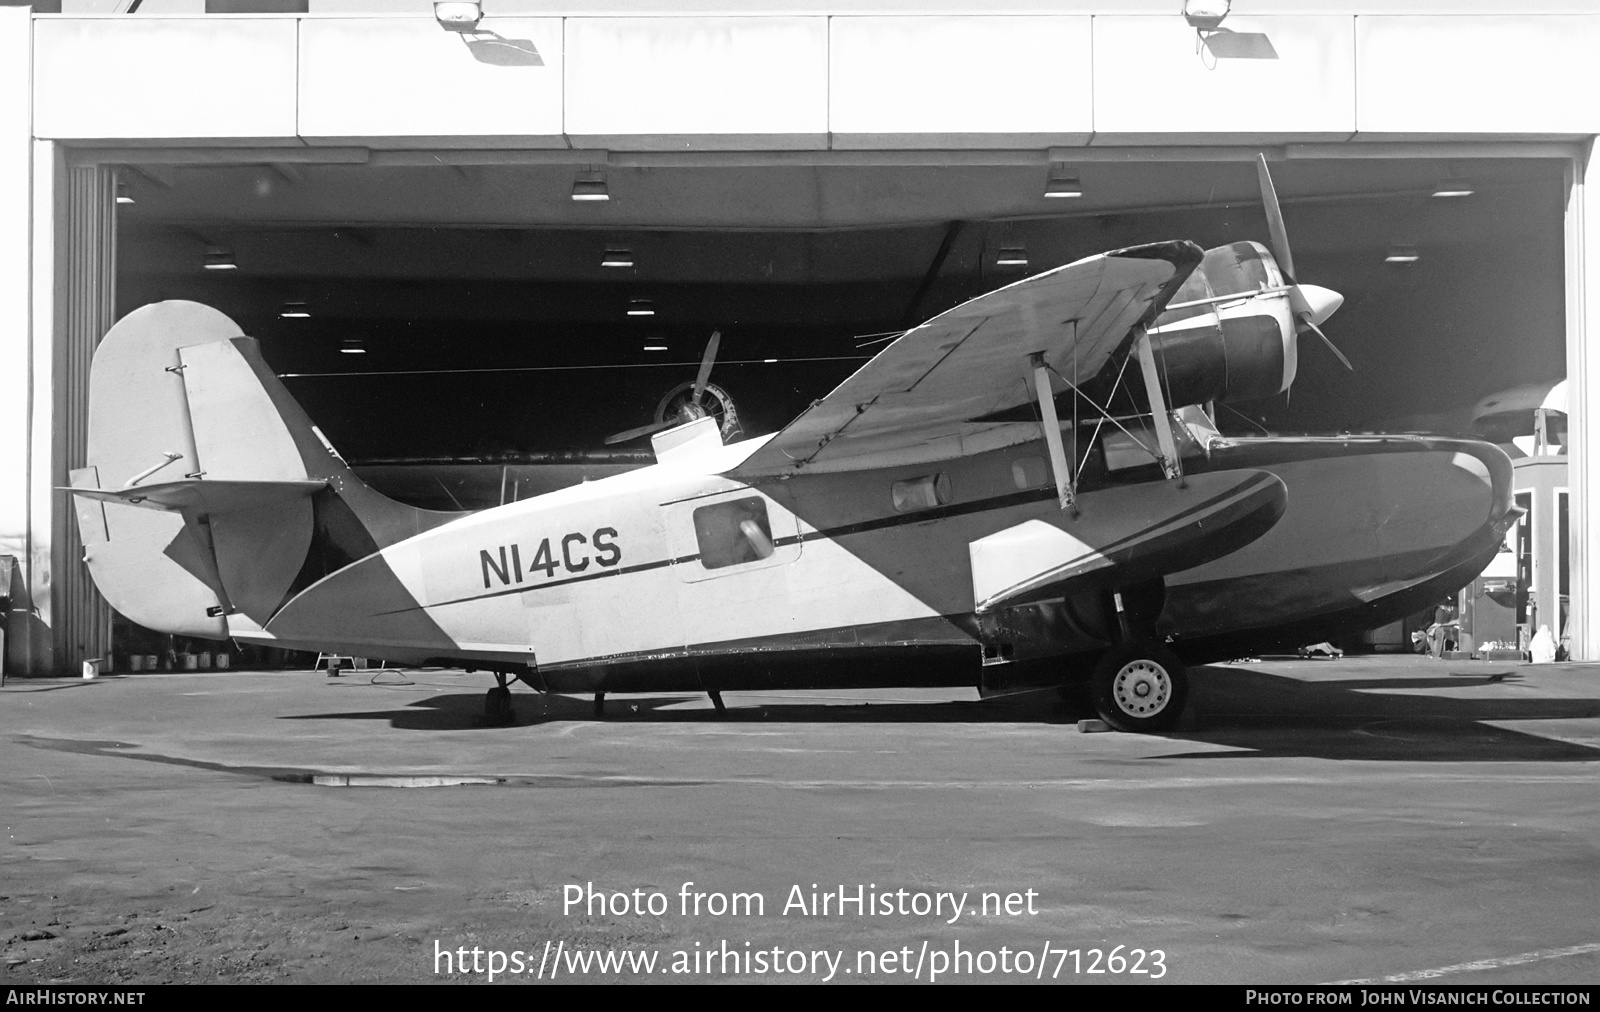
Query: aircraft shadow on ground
[1267,715]
[1255,712]
[457,712]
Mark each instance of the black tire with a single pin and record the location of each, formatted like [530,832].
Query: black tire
[497,706]
[1140,688]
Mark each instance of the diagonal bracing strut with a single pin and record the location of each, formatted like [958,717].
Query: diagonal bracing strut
[1052,433]
[1158,406]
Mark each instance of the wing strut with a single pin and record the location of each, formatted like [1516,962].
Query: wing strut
[1159,417]
[1052,434]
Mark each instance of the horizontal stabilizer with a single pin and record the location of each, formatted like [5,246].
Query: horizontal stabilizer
[1126,535]
[201,496]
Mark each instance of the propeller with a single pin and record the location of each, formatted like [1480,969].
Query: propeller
[1310,304]
[706,361]
[689,410]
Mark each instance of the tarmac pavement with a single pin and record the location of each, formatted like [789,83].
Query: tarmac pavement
[1310,821]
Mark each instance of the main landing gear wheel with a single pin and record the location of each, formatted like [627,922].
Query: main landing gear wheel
[497,706]
[1140,688]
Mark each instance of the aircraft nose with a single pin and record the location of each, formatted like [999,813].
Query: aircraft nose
[1315,301]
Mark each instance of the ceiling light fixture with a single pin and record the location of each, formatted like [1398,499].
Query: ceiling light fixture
[352,347]
[458,15]
[655,344]
[590,186]
[1012,256]
[1402,255]
[1063,183]
[1205,15]
[295,311]
[123,194]
[641,307]
[616,256]
[220,258]
[769,361]
[1453,186]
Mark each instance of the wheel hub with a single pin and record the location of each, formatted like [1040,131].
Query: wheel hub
[1141,688]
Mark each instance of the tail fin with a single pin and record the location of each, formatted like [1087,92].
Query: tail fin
[208,491]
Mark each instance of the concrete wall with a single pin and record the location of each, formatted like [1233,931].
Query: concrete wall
[165,78]
[955,81]
[16,173]
[389,81]
[1583,418]
[811,82]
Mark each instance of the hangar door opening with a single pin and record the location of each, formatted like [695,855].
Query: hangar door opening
[467,334]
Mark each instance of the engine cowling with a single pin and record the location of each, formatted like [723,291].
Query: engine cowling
[1223,350]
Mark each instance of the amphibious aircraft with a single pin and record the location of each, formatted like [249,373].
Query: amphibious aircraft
[995,483]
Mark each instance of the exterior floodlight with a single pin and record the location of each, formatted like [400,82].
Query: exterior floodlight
[616,256]
[1063,184]
[220,258]
[641,307]
[1012,256]
[1205,15]
[1402,255]
[458,15]
[123,196]
[1453,186]
[295,311]
[590,186]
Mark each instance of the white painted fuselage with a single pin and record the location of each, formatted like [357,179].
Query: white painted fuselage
[631,572]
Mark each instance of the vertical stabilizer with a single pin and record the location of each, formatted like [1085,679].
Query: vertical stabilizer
[216,495]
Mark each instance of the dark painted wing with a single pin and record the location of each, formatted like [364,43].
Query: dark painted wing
[974,360]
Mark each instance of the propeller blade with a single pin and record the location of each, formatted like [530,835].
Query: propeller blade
[1279,234]
[1310,325]
[643,430]
[706,362]
[694,410]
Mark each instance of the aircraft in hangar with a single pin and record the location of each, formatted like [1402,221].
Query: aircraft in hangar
[1010,481]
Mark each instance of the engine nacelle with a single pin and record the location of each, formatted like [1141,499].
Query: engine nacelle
[1224,350]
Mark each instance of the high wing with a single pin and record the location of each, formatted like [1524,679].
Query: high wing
[974,360]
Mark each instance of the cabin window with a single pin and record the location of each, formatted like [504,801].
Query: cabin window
[921,493]
[1029,472]
[1124,450]
[730,533]
[1139,445]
